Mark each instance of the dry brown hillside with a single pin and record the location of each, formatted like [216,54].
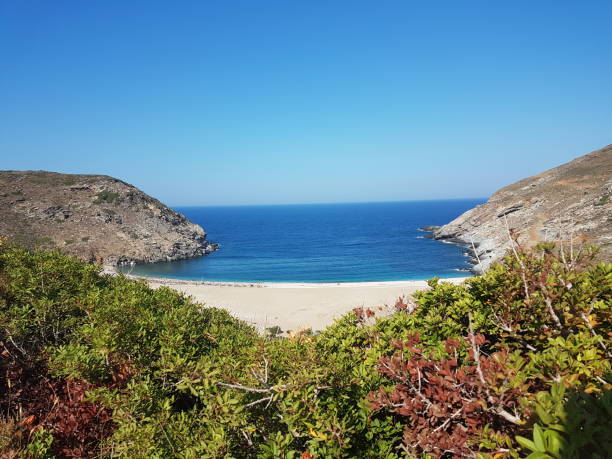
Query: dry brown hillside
[95,217]
[572,202]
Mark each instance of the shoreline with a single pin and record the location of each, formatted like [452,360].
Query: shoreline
[296,305]
[469,246]
[280,285]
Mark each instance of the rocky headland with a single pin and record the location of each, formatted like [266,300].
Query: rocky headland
[96,218]
[569,204]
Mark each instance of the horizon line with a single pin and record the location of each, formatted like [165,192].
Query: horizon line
[330,202]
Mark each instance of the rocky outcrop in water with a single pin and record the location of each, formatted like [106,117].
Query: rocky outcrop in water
[96,218]
[570,203]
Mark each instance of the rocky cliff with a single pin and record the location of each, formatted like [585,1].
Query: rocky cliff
[572,202]
[95,217]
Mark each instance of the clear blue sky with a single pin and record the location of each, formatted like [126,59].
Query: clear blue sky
[249,102]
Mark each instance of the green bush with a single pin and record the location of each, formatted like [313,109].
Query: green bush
[570,425]
[178,379]
[108,197]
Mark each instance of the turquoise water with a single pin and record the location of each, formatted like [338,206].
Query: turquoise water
[322,243]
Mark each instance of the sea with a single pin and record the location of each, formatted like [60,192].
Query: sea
[360,242]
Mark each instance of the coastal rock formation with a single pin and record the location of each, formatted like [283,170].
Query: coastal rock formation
[568,204]
[96,218]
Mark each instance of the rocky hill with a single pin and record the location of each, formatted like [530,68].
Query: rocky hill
[95,217]
[572,202]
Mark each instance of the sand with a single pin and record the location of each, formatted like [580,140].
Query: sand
[293,306]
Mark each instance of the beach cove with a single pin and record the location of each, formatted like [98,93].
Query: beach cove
[294,306]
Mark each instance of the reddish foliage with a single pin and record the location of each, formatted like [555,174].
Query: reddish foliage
[446,404]
[364,313]
[58,405]
[401,304]
[77,425]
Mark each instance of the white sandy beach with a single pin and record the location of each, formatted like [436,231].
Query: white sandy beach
[292,306]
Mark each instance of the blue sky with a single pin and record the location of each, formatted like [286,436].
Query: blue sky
[252,102]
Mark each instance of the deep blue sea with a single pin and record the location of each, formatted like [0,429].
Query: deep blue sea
[322,243]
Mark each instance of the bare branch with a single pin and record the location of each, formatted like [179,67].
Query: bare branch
[445,423]
[266,371]
[572,246]
[518,258]
[549,307]
[248,389]
[19,348]
[261,400]
[600,341]
[475,253]
[246,437]
[476,350]
[509,416]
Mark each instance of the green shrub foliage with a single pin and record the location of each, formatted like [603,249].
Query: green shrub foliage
[512,363]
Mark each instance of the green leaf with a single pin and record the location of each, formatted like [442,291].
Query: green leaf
[538,438]
[526,443]
[544,416]
[554,442]
[539,455]
[558,427]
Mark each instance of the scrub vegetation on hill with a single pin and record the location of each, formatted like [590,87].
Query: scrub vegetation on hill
[512,363]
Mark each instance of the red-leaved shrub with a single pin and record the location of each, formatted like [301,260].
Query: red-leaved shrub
[445,405]
[57,404]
